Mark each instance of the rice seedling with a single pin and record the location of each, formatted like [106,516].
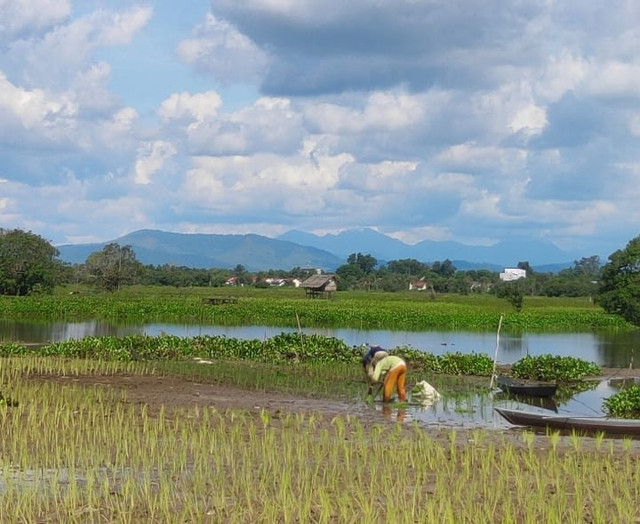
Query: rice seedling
[71,453]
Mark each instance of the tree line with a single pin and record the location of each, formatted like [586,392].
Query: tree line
[29,265]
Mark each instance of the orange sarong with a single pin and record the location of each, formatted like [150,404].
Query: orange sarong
[395,379]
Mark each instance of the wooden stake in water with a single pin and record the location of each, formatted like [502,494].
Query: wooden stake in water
[300,333]
[495,355]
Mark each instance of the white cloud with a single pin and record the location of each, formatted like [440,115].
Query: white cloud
[269,125]
[427,119]
[530,119]
[35,111]
[20,16]
[151,159]
[418,234]
[561,73]
[55,57]
[221,50]
[615,79]
[198,107]
[262,183]
[382,110]
[498,162]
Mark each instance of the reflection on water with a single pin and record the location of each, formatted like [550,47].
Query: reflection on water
[475,410]
[609,349]
[44,332]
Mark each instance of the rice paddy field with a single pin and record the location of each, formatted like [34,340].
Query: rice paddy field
[106,441]
[100,431]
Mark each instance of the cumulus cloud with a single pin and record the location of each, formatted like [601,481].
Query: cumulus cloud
[196,107]
[268,125]
[220,49]
[434,119]
[29,112]
[56,56]
[151,159]
[19,18]
[231,185]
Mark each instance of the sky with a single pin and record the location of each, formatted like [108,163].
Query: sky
[464,121]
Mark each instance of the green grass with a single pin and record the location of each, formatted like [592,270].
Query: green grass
[288,307]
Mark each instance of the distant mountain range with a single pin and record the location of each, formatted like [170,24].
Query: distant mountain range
[254,252]
[300,249]
[542,256]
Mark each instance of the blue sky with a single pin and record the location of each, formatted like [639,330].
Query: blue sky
[423,119]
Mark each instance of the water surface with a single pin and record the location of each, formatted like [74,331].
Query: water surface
[608,349]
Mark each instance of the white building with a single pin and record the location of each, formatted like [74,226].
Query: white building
[512,273]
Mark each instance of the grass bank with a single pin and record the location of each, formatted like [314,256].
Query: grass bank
[289,308]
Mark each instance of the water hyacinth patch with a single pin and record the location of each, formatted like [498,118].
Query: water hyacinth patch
[625,404]
[285,348]
[550,367]
[373,310]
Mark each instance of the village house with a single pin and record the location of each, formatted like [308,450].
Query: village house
[512,273]
[419,285]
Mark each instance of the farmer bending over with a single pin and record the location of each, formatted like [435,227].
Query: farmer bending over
[389,370]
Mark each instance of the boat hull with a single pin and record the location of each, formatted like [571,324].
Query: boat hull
[527,387]
[615,426]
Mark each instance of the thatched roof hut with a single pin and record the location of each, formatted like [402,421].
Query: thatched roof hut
[320,286]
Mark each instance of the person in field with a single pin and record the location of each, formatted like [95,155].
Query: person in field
[388,370]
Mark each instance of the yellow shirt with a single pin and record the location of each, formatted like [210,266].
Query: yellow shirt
[384,366]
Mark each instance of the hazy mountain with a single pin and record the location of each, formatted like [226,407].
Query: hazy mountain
[353,241]
[500,255]
[300,249]
[254,252]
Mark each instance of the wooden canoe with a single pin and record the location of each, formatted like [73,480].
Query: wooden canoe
[614,426]
[520,386]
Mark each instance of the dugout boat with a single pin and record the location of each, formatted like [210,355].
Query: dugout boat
[521,386]
[583,424]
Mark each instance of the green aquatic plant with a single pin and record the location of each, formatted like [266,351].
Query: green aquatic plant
[624,404]
[358,310]
[558,368]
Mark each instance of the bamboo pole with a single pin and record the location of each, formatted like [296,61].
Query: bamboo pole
[495,355]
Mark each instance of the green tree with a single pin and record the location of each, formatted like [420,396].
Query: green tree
[445,269]
[349,275]
[408,266]
[366,263]
[619,291]
[28,263]
[526,266]
[580,280]
[243,277]
[113,267]
[587,267]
